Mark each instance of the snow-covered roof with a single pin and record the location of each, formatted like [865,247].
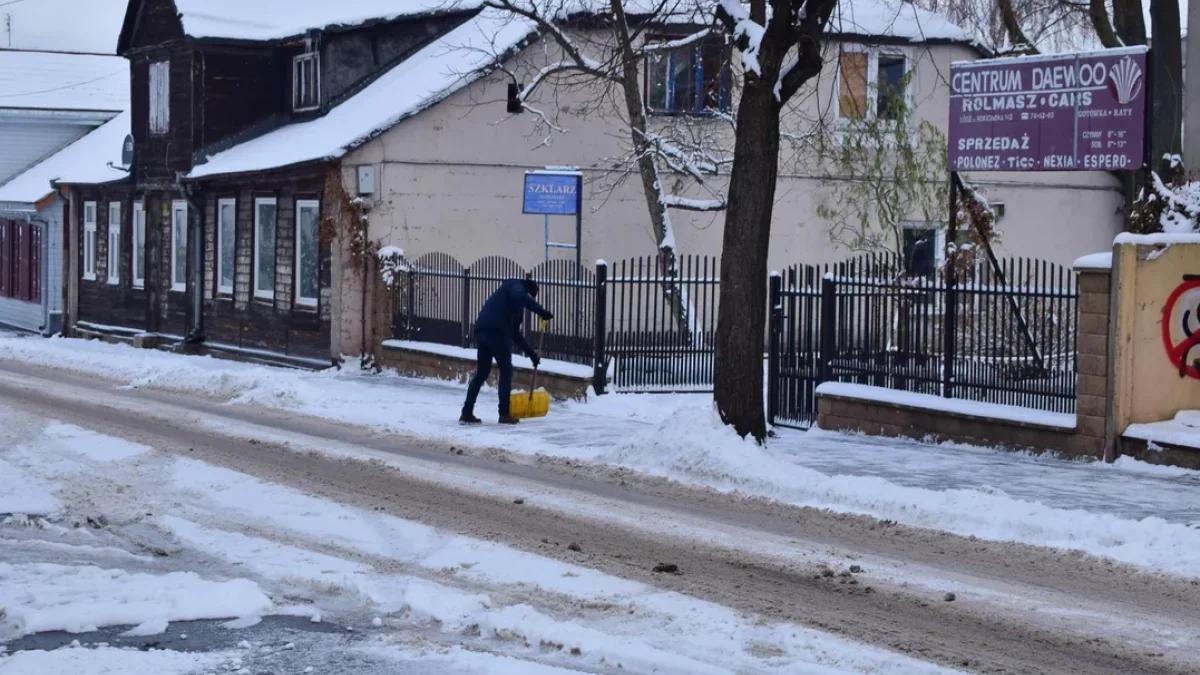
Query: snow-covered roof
[427,77]
[58,81]
[454,61]
[278,19]
[894,19]
[83,162]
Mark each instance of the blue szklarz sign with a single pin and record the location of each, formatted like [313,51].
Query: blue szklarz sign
[554,194]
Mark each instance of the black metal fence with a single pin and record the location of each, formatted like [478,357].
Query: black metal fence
[999,334]
[1004,334]
[641,329]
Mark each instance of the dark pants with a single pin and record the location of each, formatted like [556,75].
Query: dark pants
[491,347]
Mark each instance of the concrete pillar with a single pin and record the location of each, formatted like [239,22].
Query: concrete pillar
[1191,88]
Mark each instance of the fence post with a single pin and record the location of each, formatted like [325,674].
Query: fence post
[950,325]
[412,300]
[466,307]
[775,310]
[600,373]
[828,321]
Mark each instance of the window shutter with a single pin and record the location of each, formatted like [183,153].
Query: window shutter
[22,255]
[35,264]
[5,262]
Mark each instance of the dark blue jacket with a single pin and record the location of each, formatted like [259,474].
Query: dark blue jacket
[504,312]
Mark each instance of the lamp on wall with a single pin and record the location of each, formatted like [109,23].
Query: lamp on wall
[515,106]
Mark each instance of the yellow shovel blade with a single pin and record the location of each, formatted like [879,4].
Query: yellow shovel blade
[522,406]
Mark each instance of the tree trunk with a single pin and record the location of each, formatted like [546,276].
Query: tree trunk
[660,219]
[738,376]
[1166,73]
[1129,21]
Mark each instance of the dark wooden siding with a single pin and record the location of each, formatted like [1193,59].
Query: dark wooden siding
[351,58]
[99,301]
[277,325]
[158,23]
[238,89]
[157,157]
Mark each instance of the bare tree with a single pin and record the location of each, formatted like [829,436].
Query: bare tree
[600,51]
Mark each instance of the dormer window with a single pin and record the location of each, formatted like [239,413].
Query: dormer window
[306,82]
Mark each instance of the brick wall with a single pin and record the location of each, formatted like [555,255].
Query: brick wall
[1091,380]
[424,364]
[886,419]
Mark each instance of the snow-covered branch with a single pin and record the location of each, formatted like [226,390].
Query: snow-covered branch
[655,47]
[687,204]
[747,32]
[549,26]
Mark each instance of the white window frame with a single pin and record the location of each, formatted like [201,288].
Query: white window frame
[220,281]
[139,243]
[873,54]
[261,294]
[302,204]
[89,240]
[178,206]
[114,243]
[297,81]
[160,98]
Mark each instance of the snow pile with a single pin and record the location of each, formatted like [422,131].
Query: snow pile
[1182,431]
[206,376]
[446,65]
[109,661]
[957,406]
[695,447]
[43,597]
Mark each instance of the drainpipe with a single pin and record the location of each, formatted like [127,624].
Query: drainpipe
[45,259]
[196,216]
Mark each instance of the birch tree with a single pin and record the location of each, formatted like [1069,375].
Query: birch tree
[601,51]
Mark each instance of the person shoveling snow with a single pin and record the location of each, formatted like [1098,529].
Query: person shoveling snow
[496,330]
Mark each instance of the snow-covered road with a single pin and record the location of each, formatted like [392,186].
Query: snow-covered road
[355,524]
[142,536]
[1133,512]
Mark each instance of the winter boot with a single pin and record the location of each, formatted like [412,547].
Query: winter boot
[468,418]
[509,419]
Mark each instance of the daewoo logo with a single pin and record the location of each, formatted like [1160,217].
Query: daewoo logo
[1125,80]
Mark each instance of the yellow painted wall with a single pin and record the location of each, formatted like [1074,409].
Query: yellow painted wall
[1148,272]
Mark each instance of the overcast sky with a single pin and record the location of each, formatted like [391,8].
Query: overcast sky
[93,25]
[68,25]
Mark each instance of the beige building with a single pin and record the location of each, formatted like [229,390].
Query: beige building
[430,147]
[450,179]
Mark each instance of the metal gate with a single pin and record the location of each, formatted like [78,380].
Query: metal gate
[795,363]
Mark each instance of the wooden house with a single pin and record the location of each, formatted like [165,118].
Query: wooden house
[236,260]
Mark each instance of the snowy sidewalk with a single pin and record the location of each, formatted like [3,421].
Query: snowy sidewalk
[1133,512]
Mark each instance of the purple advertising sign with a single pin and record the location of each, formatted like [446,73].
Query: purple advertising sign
[1063,112]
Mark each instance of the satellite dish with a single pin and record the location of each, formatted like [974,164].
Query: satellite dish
[127,151]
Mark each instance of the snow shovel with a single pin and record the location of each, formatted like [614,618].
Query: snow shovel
[534,403]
